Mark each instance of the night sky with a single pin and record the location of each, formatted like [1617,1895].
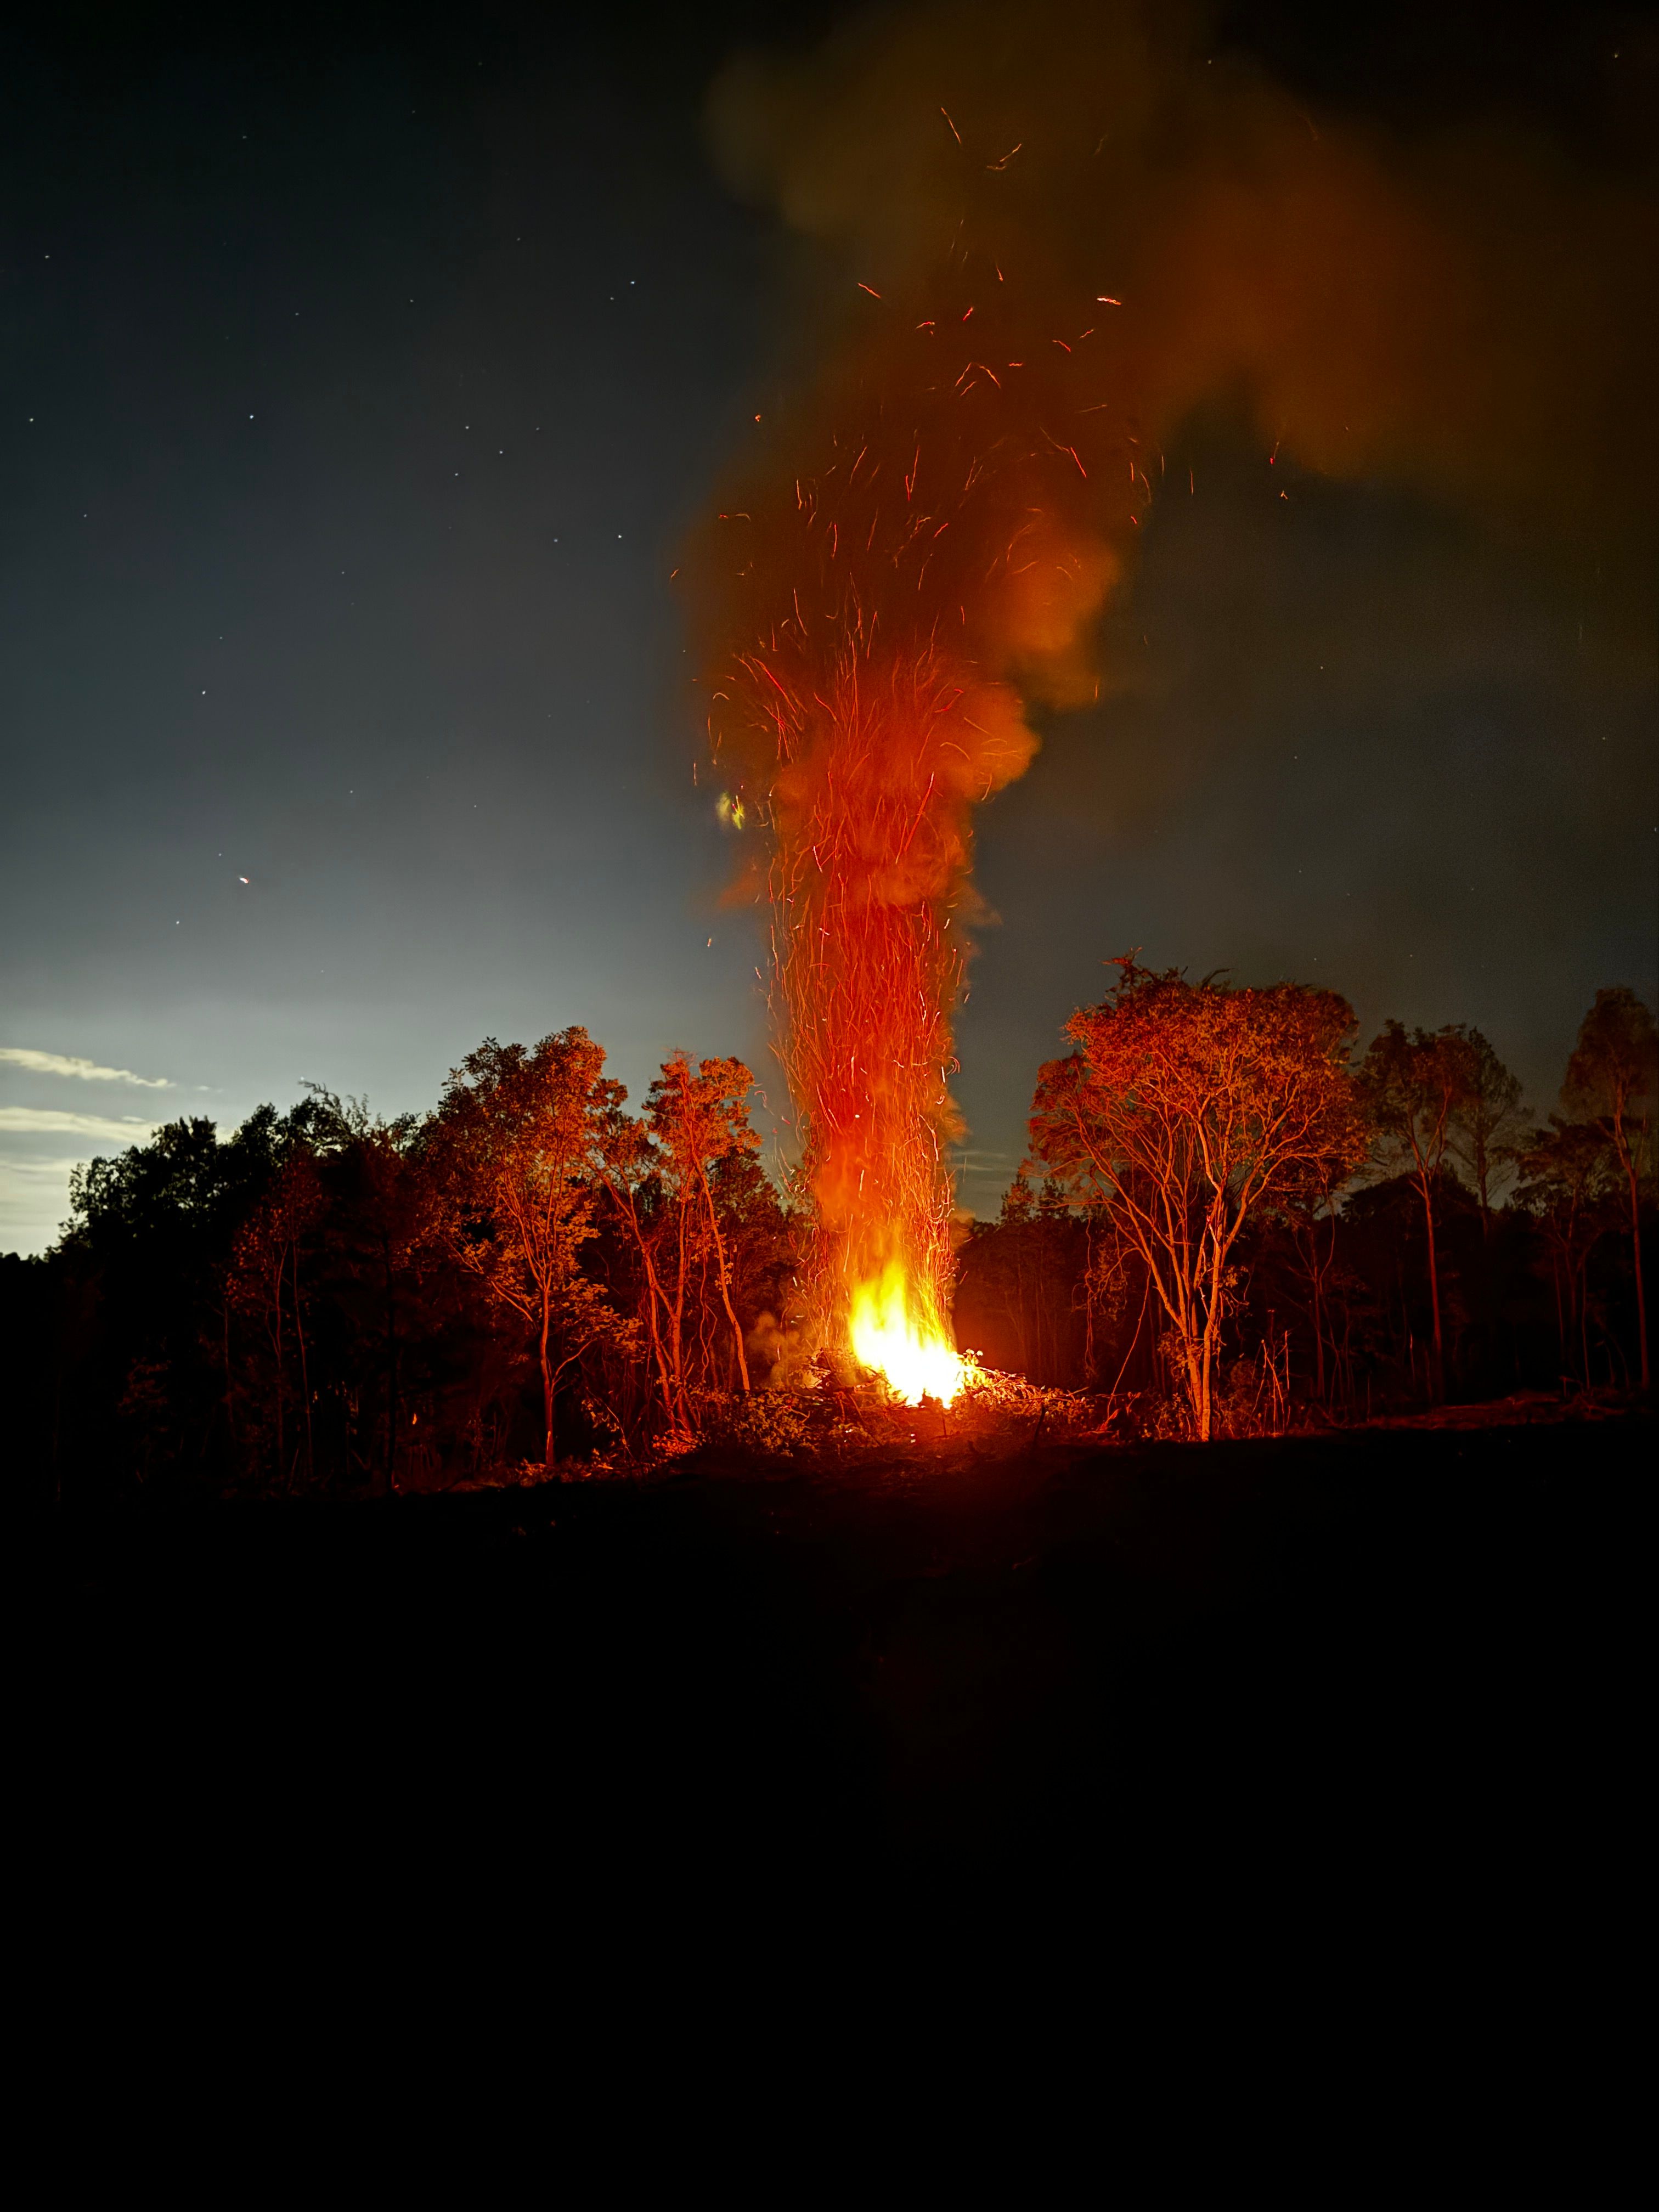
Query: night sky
[361,378]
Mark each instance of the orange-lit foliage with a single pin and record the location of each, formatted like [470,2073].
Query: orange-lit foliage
[511,1148]
[663,1177]
[1187,1108]
[906,569]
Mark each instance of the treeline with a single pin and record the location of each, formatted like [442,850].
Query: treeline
[328,1300]
[1227,1221]
[1227,1224]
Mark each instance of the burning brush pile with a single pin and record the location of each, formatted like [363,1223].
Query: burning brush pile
[826,1423]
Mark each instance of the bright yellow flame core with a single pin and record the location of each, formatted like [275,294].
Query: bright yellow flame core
[917,1357]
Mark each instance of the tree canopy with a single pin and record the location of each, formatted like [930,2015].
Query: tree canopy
[1185,1108]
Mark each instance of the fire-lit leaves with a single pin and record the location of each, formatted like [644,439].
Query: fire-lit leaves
[1187,1108]
[511,1145]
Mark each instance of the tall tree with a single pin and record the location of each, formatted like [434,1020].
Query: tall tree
[382,1231]
[147,1249]
[1487,1124]
[263,1282]
[1185,1108]
[1310,1216]
[699,1119]
[1023,1284]
[680,1180]
[1414,1086]
[512,1143]
[628,1167]
[1569,1185]
[1613,1079]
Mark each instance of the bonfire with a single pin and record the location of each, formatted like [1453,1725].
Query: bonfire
[918,559]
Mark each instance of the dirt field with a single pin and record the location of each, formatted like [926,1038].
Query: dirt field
[1393,1656]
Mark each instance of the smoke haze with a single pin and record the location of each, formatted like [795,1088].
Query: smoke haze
[1463,312]
[1452,325]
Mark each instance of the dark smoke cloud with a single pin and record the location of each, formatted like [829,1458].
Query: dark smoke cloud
[1447,336]
[1464,312]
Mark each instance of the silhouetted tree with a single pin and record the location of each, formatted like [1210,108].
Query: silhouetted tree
[383,1234]
[1614,1078]
[1487,1122]
[1024,1295]
[1310,1217]
[263,1283]
[1569,1185]
[1187,1107]
[1414,1086]
[142,1259]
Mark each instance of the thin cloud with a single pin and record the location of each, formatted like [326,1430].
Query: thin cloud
[88,1070]
[48,1121]
[35,1199]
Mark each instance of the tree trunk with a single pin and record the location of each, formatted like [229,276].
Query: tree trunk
[1197,1362]
[1437,1376]
[1583,1319]
[1088,1301]
[276,1339]
[1212,1313]
[1483,1177]
[1316,1290]
[653,1294]
[1319,1346]
[548,1460]
[726,1293]
[391,1373]
[679,1317]
[1636,1255]
[230,1394]
[305,1372]
[1197,1385]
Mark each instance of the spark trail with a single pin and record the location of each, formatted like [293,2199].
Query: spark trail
[881,617]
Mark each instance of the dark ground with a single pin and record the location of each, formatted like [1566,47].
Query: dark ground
[1386,1669]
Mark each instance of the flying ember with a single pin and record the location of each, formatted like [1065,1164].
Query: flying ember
[918,559]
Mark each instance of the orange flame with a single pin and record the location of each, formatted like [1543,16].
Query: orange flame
[914,1352]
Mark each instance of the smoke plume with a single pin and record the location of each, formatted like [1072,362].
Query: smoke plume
[1039,241]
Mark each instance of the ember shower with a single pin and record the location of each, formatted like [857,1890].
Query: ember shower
[1059,232]
[890,609]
